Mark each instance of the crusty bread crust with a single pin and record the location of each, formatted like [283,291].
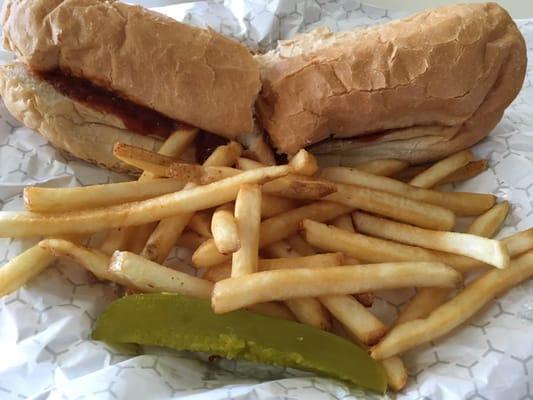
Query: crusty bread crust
[435,82]
[69,125]
[189,74]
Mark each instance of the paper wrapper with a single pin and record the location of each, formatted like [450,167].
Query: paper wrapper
[45,326]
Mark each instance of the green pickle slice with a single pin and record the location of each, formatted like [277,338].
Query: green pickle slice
[184,323]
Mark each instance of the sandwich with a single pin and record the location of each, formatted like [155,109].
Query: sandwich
[416,89]
[90,73]
[94,72]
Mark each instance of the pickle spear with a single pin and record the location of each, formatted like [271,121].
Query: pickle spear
[184,323]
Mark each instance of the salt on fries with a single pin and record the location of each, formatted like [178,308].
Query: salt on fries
[233,213]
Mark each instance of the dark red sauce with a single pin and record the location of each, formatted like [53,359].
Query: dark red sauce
[137,118]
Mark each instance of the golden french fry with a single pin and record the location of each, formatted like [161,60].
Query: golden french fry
[224,230]
[440,170]
[519,242]
[248,219]
[456,311]
[492,252]
[383,167]
[134,237]
[223,271]
[393,206]
[274,205]
[300,246]
[344,222]
[190,240]
[427,299]
[273,309]
[489,223]
[225,155]
[272,230]
[423,303]
[93,260]
[39,199]
[304,163]
[355,317]
[24,267]
[463,204]
[469,171]
[396,373]
[23,224]
[280,249]
[375,250]
[247,164]
[163,238]
[234,293]
[200,223]
[148,276]
[309,311]
[300,187]
[166,166]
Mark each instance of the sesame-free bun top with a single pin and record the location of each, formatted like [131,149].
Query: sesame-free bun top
[426,86]
[187,73]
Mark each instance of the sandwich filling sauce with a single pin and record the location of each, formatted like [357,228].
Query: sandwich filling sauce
[135,117]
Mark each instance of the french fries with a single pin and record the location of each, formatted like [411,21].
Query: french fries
[221,272]
[344,222]
[248,220]
[23,224]
[200,223]
[394,206]
[300,246]
[93,260]
[234,293]
[519,243]
[355,317]
[304,163]
[135,237]
[225,155]
[247,164]
[272,230]
[454,312]
[440,170]
[148,276]
[166,166]
[469,171]
[24,267]
[44,200]
[300,187]
[383,167]
[163,238]
[489,251]
[396,373]
[274,205]
[427,299]
[489,223]
[375,250]
[462,204]
[224,230]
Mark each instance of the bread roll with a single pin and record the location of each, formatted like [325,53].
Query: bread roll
[69,125]
[425,86]
[186,73]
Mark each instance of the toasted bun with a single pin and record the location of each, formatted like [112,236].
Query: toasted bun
[69,125]
[189,74]
[433,83]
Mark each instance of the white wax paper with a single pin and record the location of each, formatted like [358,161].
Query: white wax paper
[45,351]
